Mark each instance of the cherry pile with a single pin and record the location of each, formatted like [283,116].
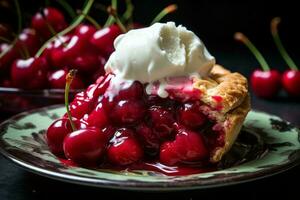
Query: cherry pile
[84,48]
[42,53]
[267,83]
[119,124]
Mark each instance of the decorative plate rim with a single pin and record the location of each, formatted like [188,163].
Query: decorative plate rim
[140,185]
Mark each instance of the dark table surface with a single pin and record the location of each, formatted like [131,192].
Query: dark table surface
[16,183]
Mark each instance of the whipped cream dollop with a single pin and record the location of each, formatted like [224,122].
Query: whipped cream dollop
[157,52]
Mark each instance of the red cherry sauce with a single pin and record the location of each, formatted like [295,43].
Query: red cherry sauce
[218,100]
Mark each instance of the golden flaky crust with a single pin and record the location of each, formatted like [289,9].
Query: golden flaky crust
[228,93]
[232,126]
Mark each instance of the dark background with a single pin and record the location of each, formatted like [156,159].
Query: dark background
[215,22]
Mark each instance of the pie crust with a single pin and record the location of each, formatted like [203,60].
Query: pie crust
[226,94]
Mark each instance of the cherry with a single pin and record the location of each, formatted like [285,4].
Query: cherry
[290,78]
[48,18]
[291,82]
[132,91]
[265,83]
[128,112]
[84,31]
[28,42]
[57,80]
[125,90]
[104,38]
[53,46]
[30,73]
[81,105]
[191,116]
[89,63]
[85,146]
[162,120]
[124,148]
[57,131]
[84,102]
[98,117]
[188,146]
[148,138]
[64,54]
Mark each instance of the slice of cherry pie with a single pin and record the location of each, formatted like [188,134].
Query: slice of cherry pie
[178,120]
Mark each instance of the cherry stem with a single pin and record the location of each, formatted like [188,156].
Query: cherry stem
[111,19]
[25,51]
[17,5]
[7,49]
[127,16]
[169,9]
[114,14]
[67,7]
[69,78]
[74,24]
[90,19]
[274,31]
[242,38]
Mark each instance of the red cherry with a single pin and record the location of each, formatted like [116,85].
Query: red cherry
[291,82]
[89,63]
[98,117]
[48,17]
[124,148]
[84,31]
[54,46]
[133,91]
[29,73]
[128,112]
[84,102]
[81,105]
[57,132]
[290,78]
[104,38]
[125,90]
[85,146]
[162,120]
[188,146]
[57,80]
[64,55]
[191,116]
[28,40]
[265,83]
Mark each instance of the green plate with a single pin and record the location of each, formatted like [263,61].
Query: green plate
[266,146]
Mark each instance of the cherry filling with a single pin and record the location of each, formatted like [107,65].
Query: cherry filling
[125,127]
